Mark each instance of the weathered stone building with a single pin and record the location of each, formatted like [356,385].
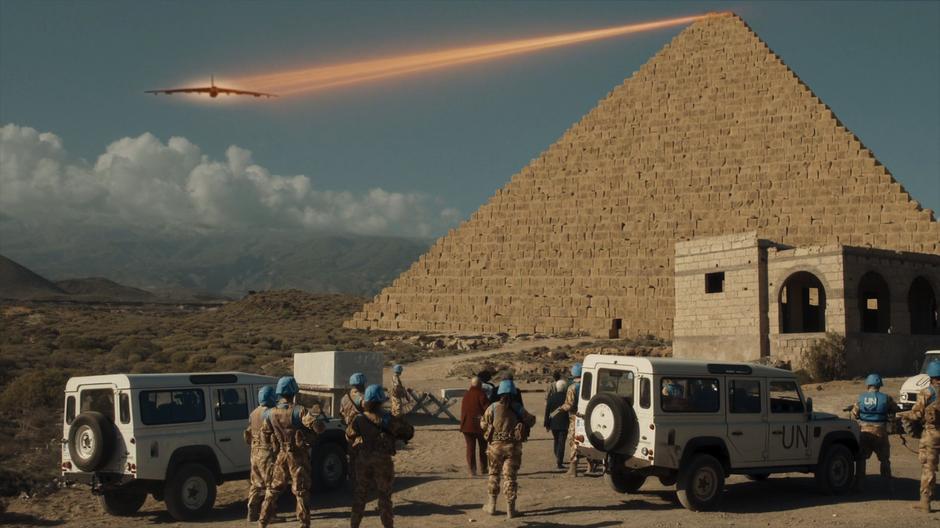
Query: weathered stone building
[742,298]
[714,135]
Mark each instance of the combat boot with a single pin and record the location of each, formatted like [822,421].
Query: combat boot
[490,506]
[924,504]
[511,512]
[573,469]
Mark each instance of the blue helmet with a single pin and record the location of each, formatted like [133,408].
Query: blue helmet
[576,370]
[357,379]
[375,393]
[266,396]
[286,386]
[506,387]
[873,380]
[397,369]
[933,369]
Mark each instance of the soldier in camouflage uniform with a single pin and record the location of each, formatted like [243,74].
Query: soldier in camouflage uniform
[372,436]
[290,427]
[571,407]
[926,411]
[400,394]
[873,411]
[263,453]
[506,425]
[350,407]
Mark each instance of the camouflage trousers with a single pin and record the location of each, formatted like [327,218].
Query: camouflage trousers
[398,406]
[262,465]
[374,472]
[293,465]
[572,449]
[874,440]
[505,458]
[928,454]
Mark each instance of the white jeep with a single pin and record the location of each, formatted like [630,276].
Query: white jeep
[692,423]
[917,383]
[173,436]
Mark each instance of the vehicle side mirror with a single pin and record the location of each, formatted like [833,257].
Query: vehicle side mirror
[809,407]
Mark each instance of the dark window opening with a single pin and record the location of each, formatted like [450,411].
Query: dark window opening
[744,396]
[586,380]
[715,282]
[617,382]
[802,304]
[124,404]
[691,395]
[785,398]
[69,409]
[874,303]
[922,305]
[172,406]
[231,404]
[98,400]
[645,393]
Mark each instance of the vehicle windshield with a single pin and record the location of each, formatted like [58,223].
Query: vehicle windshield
[931,358]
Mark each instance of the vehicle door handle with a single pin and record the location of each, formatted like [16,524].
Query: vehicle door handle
[780,432]
[736,433]
[225,439]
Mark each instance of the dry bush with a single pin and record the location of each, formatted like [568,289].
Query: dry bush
[825,360]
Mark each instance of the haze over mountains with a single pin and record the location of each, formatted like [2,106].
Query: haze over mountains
[180,264]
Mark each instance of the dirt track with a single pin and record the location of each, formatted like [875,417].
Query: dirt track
[433,490]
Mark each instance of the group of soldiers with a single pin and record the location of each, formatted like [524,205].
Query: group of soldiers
[873,411]
[281,432]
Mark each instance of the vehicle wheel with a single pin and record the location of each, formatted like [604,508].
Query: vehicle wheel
[624,481]
[91,440]
[758,477]
[611,425]
[700,484]
[329,466]
[836,470]
[668,480]
[123,501]
[190,492]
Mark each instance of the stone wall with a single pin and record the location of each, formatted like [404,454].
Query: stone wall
[714,135]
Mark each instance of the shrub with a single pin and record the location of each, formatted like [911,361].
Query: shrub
[36,389]
[825,360]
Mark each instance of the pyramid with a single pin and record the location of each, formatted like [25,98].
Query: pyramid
[714,135]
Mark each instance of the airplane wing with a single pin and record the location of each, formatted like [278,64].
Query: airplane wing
[178,90]
[243,92]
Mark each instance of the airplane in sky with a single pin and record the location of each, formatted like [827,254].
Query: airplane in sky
[212,90]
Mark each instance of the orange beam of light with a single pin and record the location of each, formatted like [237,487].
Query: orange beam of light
[322,77]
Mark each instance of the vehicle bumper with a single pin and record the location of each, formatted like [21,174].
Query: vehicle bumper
[99,481]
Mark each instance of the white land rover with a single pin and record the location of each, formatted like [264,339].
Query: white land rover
[692,423]
[173,436]
[917,383]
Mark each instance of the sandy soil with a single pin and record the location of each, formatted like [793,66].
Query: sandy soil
[433,489]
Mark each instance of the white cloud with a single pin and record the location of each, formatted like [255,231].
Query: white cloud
[141,181]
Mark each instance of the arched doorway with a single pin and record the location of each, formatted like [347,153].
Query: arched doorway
[922,305]
[802,304]
[874,303]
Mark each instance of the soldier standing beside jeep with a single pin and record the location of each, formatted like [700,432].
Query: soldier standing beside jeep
[506,424]
[926,412]
[288,426]
[872,411]
[571,407]
[263,452]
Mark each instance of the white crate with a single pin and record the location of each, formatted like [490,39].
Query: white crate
[331,369]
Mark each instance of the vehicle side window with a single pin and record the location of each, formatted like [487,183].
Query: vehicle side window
[646,388]
[785,398]
[618,382]
[69,409]
[98,400]
[586,380]
[744,396]
[696,395]
[124,404]
[231,404]
[160,407]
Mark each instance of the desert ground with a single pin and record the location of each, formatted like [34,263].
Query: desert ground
[433,489]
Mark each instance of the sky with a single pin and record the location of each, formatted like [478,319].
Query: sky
[411,155]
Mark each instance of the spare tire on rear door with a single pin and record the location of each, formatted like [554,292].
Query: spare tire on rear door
[91,440]
[611,424]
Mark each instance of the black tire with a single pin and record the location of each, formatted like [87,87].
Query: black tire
[701,483]
[190,492]
[329,464]
[669,480]
[611,425]
[91,440]
[624,481]
[123,501]
[758,477]
[835,473]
